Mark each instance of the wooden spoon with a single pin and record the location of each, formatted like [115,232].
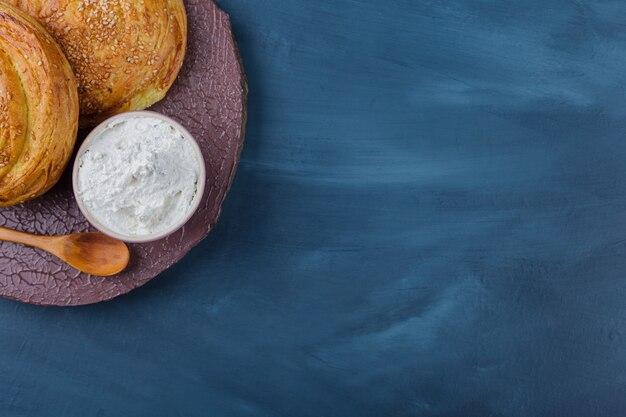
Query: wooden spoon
[92,253]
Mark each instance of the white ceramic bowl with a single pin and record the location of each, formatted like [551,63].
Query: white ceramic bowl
[95,134]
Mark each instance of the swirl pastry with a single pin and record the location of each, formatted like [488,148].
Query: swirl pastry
[38,108]
[125,54]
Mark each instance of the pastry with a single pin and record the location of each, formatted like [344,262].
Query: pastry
[125,54]
[38,108]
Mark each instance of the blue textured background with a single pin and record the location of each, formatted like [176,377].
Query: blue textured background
[429,220]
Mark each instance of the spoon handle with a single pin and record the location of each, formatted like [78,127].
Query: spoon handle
[14,236]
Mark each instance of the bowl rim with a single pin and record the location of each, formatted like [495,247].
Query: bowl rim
[200,186]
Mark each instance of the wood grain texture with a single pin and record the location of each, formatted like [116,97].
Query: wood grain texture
[209,100]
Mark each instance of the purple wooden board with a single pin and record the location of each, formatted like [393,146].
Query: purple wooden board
[209,99]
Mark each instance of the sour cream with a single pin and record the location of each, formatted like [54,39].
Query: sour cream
[138,176]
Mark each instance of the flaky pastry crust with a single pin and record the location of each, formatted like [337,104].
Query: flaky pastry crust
[38,108]
[125,54]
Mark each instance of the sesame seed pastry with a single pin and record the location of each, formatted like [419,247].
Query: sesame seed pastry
[125,54]
[38,108]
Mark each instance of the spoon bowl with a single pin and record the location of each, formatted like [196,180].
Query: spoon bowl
[93,253]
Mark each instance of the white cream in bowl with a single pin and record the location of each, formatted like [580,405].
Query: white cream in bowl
[139,176]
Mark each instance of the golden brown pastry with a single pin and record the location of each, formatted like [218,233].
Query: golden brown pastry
[125,54]
[38,108]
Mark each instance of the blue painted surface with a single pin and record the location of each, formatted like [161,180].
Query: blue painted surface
[429,220]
